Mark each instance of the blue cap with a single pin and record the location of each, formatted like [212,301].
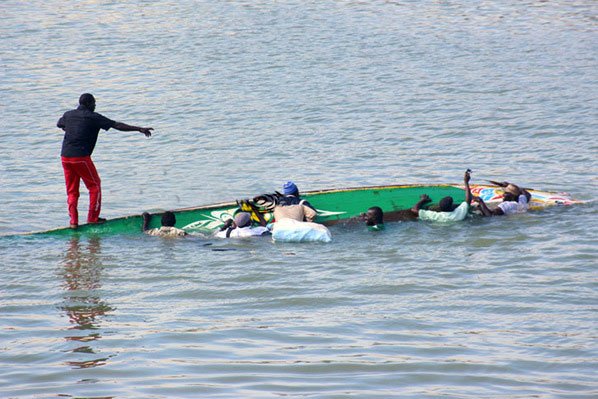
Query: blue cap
[289,188]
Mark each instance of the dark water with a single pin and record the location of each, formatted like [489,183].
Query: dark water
[246,95]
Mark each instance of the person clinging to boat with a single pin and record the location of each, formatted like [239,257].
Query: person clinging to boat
[374,218]
[515,200]
[241,227]
[291,206]
[448,211]
[294,219]
[166,229]
[81,128]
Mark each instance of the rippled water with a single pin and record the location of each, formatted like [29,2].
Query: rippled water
[246,95]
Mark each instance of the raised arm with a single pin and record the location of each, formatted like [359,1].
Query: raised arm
[146,220]
[423,199]
[129,128]
[466,180]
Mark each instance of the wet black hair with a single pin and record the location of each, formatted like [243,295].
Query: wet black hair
[168,219]
[378,214]
[446,204]
[509,197]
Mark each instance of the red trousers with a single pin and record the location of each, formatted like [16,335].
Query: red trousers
[75,170]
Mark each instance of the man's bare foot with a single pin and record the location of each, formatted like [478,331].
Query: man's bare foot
[99,221]
[74,226]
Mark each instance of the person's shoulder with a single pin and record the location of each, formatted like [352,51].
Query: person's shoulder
[463,206]
[175,231]
[97,115]
[70,112]
[153,232]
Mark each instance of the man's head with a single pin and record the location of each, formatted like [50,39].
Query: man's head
[290,188]
[446,204]
[88,101]
[512,193]
[168,219]
[374,216]
[243,219]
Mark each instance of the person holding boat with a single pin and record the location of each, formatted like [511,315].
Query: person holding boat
[81,128]
[166,229]
[294,219]
[515,200]
[448,211]
[291,206]
[374,218]
[240,227]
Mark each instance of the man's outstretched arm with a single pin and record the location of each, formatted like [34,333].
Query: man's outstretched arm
[129,128]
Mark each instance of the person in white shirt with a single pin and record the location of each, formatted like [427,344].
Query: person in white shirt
[166,230]
[241,227]
[448,211]
[515,200]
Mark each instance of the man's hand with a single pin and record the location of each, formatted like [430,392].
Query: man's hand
[146,130]
[467,176]
[425,198]
[227,224]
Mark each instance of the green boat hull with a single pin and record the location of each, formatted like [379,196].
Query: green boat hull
[333,206]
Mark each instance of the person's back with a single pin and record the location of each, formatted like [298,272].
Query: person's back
[241,227]
[292,207]
[166,229]
[445,215]
[81,129]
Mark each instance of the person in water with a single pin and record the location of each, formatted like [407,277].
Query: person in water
[515,200]
[241,227]
[81,128]
[449,212]
[166,230]
[291,206]
[374,218]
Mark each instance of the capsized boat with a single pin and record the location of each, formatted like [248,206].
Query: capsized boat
[332,205]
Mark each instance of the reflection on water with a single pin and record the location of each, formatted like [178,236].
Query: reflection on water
[82,281]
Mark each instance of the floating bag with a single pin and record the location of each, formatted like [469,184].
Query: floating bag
[290,230]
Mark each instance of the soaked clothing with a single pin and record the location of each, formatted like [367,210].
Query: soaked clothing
[460,213]
[243,232]
[166,231]
[376,227]
[512,207]
[291,207]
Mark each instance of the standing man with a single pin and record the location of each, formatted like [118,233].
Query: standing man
[81,127]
